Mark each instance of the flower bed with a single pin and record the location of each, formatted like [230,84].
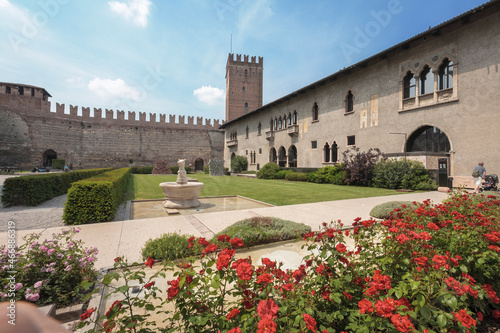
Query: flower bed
[434,268]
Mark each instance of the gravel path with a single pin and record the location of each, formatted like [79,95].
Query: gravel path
[46,215]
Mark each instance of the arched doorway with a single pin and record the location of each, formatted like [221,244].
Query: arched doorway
[292,157]
[282,157]
[198,165]
[48,156]
[272,156]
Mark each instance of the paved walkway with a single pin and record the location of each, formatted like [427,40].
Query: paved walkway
[127,238]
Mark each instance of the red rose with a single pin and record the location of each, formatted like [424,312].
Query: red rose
[117,259]
[422,261]
[464,318]
[236,242]
[402,324]
[87,314]
[150,262]
[264,278]
[365,306]
[495,314]
[267,309]
[288,286]
[310,322]
[224,258]
[266,325]
[385,308]
[432,226]
[148,285]
[118,303]
[234,330]
[223,238]
[341,248]
[202,241]
[244,271]
[210,248]
[480,316]
[440,260]
[173,290]
[232,314]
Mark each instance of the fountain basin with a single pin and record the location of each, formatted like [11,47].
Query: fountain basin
[181,195]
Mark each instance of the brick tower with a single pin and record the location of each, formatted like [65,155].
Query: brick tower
[243,85]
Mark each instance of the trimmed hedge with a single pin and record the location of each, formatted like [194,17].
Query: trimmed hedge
[296,176]
[58,164]
[32,190]
[143,170]
[96,199]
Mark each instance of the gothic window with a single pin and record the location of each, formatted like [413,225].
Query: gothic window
[349,102]
[282,157]
[409,85]
[284,121]
[428,139]
[326,153]
[246,107]
[335,152]
[243,89]
[445,77]
[426,81]
[271,124]
[289,119]
[259,129]
[246,132]
[275,124]
[295,117]
[292,157]
[280,123]
[315,112]
[272,156]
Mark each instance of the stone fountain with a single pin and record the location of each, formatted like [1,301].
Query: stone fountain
[181,194]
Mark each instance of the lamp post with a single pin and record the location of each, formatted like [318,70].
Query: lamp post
[404,151]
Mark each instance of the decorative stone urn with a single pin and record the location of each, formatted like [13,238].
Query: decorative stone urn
[181,194]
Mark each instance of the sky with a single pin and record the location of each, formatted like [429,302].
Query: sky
[169,56]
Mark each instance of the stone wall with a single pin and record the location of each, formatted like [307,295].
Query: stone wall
[28,129]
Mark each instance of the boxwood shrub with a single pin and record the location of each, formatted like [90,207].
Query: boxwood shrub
[143,170]
[296,176]
[32,190]
[96,199]
[268,171]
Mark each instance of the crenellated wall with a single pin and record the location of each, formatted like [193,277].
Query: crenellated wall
[28,129]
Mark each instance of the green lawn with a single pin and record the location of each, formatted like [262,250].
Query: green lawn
[275,192]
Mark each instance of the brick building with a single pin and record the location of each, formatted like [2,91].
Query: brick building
[433,98]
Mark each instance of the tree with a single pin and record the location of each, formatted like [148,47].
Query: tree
[239,163]
[359,165]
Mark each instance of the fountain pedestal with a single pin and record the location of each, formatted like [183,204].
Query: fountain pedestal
[181,194]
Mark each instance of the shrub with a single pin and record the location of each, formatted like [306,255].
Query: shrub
[281,174]
[435,268]
[96,199]
[249,172]
[169,246]
[58,164]
[188,169]
[329,174]
[32,190]
[383,211]
[143,170]
[296,177]
[394,174]
[206,169]
[263,230]
[49,271]
[239,163]
[174,169]
[268,171]
[359,165]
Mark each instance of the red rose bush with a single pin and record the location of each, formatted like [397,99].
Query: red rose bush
[434,268]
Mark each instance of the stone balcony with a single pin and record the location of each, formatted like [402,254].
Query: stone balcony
[293,130]
[269,135]
[231,143]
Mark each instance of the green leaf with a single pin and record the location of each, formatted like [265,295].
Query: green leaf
[464,269]
[425,312]
[420,300]
[441,320]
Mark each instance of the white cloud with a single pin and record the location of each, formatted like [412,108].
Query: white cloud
[255,15]
[209,95]
[135,10]
[12,15]
[109,89]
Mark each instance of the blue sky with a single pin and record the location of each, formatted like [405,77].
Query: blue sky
[169,56]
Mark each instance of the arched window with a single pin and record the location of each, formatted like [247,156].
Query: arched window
[445,77]
[315,112]
[284,120]
[349,102]
[289,119]
[409,85]
[198,164]
[426,81]
[271,124]
[326,153]
[259,129]
[295,117]
[272,156]
[275,124]
[246,132]
[335,152]
[428,139]
[292,157]
[280,123]
[282,157]
[246,72]
[246,107]
[243,89]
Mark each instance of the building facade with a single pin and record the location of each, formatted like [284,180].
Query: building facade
[31,135]
[432,98]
